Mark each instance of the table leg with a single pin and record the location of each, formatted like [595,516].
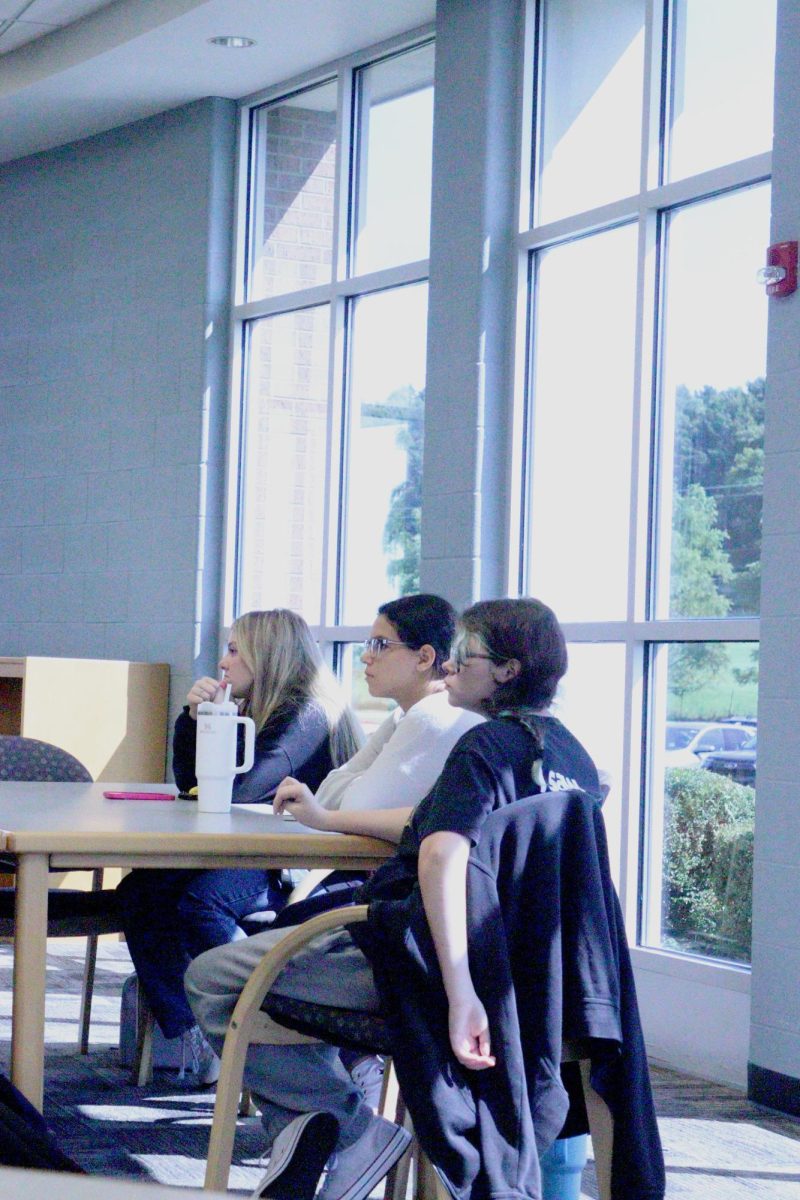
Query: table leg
[30,950]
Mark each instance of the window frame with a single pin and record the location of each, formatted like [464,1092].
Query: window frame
[339,294]
[640,630]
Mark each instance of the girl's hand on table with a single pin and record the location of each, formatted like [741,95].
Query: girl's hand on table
[202,690]
[297,799]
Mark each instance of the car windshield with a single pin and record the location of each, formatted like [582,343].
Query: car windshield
[679,736]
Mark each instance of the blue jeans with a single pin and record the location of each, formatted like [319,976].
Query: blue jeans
[171,916]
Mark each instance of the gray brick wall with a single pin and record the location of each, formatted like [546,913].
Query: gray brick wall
[114,275]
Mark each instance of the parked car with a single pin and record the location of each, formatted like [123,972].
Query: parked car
[688,742]
[738,765]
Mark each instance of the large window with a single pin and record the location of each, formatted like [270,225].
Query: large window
[330,329]
[649,217]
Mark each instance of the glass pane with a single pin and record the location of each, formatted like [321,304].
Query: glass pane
[591,703]
[712,421]
[292,178]
[583,380]
[702,798]
[591,125]
[723,71]
[386,435]
[370,711]
[394,130]
[284,460]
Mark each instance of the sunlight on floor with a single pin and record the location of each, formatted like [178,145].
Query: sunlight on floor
[730,1146]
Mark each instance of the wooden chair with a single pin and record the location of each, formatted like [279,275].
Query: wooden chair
[249,1024]
[70,912]
[257,922]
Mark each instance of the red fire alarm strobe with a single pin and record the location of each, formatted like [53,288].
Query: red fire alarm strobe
[780,273]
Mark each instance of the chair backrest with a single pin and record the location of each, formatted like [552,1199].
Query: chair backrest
[28,760]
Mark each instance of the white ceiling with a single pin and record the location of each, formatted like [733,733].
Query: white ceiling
[72,68]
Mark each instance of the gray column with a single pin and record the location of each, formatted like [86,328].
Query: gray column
[472,289]
[774,1068]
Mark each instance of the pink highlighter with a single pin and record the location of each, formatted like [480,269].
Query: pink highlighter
[138,795]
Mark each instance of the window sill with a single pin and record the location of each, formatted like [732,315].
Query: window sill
[729,976]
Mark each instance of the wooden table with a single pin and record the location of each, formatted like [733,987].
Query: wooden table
[63,826]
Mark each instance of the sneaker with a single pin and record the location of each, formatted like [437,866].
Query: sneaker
[368,1074]
[203,1062]
[298,1156]
[354,1172]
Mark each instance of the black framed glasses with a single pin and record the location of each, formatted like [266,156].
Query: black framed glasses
[377,645]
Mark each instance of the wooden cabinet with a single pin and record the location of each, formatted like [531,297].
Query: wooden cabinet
[111,715]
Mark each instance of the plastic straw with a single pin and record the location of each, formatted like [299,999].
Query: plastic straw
[227,693]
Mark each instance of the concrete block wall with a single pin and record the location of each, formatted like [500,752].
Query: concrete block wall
[299,177]
[465,489]
[774,1068]
[114,280]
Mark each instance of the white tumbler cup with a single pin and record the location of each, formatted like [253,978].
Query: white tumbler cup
[215,757]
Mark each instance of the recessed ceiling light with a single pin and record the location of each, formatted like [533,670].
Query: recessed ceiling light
[233,43]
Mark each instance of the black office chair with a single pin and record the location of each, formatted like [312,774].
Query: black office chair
[70,912]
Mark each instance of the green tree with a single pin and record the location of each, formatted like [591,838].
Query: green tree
[719,444]
[700,568]
[700,561]
[401,533]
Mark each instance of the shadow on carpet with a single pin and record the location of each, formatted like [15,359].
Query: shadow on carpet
[111,1127]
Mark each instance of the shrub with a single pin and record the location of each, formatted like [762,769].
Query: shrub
[708,863]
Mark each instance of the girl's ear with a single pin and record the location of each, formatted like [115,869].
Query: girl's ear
[426,657]
[508,670]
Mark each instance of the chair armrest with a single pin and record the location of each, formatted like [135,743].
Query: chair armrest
[266,972]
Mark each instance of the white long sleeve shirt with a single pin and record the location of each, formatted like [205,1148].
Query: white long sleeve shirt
[401,761]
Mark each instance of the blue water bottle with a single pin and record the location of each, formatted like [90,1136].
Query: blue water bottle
[562,1167]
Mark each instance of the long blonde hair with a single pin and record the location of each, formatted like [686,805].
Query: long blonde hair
[288,672]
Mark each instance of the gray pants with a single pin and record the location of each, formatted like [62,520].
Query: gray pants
[290,1080]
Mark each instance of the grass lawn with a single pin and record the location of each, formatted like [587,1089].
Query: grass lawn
[722,695]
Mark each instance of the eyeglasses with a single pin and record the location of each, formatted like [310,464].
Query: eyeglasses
[377,645]
[461,660]
[460,654]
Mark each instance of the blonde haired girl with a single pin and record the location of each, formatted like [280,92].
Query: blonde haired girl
[304,729]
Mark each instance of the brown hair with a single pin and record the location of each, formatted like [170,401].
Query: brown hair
[528,631]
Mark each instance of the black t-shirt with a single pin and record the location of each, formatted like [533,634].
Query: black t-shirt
[490,765]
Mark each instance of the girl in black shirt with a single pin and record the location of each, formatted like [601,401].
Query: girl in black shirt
[506,663]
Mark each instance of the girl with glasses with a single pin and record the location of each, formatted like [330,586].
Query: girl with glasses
[509,657]
[404,661]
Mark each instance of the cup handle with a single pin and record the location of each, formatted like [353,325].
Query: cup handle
[249,744]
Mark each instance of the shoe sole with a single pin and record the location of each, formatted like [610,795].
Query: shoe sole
[394,1150]
[301,1160]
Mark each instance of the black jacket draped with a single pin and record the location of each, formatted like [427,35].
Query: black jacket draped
[549,960]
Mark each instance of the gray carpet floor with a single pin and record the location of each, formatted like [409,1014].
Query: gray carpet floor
[718,1146]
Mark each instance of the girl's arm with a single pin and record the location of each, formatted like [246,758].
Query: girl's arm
[443,881]
[295,798]
[184,745]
